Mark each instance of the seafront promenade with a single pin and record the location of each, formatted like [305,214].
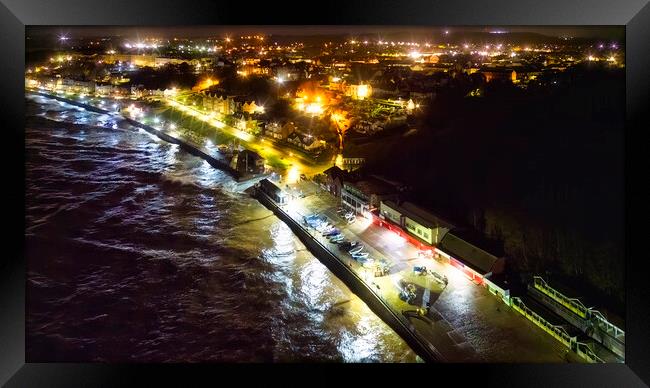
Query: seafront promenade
[464,321]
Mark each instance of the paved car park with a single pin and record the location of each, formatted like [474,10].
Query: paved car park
[462,320]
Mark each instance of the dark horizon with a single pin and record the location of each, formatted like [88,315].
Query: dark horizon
[595,32]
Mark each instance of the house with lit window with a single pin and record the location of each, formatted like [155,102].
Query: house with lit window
[417,222]
[365,195]
[499,74]
[75,86]
[279,130]
[214,102]
[358,92]
[306,142]
[251,108]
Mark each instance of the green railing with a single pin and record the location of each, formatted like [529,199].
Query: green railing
[585,352]
[572,304]
[578,308]
[606,326]
[557,332]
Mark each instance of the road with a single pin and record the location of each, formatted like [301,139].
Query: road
[295,164]
[286,163]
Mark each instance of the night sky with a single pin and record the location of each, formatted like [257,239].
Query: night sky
[603,32]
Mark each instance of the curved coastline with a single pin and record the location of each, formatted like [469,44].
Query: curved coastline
[421,347]
[186,146]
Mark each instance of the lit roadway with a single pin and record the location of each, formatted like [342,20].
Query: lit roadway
[292,163]
[297,164]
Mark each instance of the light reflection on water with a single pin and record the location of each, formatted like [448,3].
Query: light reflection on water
[362,346]
[172,207]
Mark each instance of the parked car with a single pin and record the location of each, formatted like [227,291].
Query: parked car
[356,249]
[331,232]
[421,269]
[358,255]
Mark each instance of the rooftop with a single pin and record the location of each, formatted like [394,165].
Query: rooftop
[472,255]
[424,217]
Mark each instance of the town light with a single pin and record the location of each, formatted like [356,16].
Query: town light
[362,91]
[293,175]
[339,161]
[314,108]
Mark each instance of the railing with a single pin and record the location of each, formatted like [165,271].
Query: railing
[585,352]
[577,307]
[609,328]
[557,332]
[572,304]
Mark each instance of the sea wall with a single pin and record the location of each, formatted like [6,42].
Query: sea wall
[401,326]
[185,145]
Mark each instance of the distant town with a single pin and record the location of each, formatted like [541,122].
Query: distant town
[293,97]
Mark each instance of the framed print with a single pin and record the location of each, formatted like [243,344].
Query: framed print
[271,186]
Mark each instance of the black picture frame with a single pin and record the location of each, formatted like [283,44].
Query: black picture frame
[16,14]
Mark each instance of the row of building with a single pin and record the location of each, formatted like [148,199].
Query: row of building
[379,200]
[584,330]
[69,85]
